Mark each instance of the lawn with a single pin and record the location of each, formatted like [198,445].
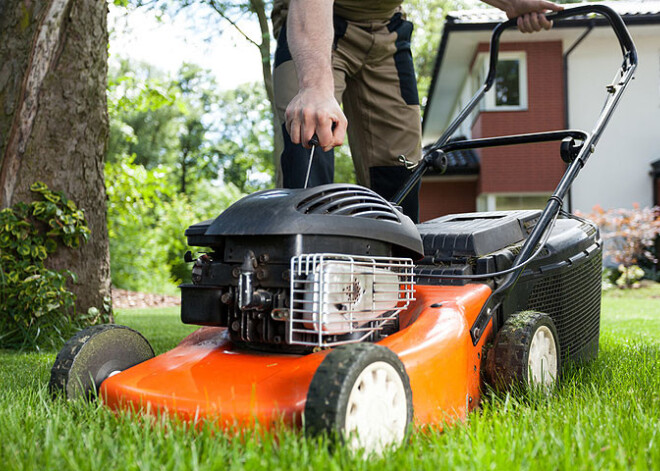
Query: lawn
[604,416]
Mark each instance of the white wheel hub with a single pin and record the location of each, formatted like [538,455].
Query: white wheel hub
[376,413]
[542,362]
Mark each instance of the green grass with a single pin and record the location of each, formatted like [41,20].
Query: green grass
[604,416]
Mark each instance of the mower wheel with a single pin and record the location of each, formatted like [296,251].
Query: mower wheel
[93,355]
[525,353]
[361,395]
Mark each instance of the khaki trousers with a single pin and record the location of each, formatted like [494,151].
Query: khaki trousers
[375,82]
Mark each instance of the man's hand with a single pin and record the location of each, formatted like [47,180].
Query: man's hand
[530,13]
[313,111]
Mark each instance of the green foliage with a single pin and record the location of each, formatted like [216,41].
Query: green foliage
[147,218]
[629,237]
[164,121]
[428,16]
[630,276]
[188,130]
[36,307]
[245,141]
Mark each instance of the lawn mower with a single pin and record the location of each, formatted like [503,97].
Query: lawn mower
[327,308]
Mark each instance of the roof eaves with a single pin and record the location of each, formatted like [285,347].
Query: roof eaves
[455,22]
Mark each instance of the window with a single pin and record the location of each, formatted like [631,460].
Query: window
[509,92]
[508,202]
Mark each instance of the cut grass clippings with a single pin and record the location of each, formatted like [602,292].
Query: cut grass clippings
[605,415]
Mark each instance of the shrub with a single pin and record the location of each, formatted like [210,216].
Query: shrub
[36,308]
[629,236]
[147,218]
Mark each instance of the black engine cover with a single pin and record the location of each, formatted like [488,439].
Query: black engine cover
[335,210]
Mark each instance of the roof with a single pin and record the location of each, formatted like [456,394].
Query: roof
[460,162]
[464,30]
[628,10]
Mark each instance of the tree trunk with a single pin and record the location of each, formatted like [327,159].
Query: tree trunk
[259,7]
[184,169]
[54,121]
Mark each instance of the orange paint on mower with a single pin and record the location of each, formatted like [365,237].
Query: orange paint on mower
[206,377]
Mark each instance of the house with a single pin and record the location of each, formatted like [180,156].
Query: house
[545,81]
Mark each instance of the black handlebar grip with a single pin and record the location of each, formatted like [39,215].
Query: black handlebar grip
[625,40]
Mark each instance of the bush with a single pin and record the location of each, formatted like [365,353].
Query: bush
[147,218]
[629,236]
[36,308]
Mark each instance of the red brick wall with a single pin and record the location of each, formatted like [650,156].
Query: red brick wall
[535,167]
[437,198]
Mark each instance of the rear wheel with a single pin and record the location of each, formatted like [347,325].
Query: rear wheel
[361,395]
[93,355]
[525,353]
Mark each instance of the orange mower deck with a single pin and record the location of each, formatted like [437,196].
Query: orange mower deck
[207,377]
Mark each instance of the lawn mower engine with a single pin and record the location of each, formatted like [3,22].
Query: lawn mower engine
[295,269]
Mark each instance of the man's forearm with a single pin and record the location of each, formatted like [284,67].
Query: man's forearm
[310,33]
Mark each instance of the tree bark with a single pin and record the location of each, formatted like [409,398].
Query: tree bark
[54,121]
[259,7]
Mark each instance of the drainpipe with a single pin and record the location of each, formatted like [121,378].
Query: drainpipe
[655,174]
[566,123]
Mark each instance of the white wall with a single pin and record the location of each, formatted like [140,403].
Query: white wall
[617,174]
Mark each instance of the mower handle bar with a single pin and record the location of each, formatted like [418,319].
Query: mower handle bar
[577,161]
[629,64]
[625,40]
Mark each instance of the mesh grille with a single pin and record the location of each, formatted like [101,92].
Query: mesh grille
[349,201]
[572,298]
[337,299]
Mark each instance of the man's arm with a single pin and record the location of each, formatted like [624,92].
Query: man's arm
[530,13]
[314,110]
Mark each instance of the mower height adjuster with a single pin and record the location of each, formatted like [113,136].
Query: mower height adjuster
[569,150]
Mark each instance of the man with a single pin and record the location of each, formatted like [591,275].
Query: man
[357,52]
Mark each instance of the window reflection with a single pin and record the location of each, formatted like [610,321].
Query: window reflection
[507,83]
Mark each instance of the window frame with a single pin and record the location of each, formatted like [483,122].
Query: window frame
[489,103]
[487,202]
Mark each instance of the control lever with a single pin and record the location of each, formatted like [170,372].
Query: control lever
[314,141]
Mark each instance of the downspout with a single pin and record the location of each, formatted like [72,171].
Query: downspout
[566,124]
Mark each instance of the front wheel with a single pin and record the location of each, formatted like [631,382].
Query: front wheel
[93,355]
[360,394]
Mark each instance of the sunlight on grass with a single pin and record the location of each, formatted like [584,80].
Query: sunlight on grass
[605,415]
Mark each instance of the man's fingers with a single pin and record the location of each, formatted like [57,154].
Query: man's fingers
[544,4]
[524,24]
[312,112]
[545,23]
[534,21]
[324,133]
[338,133]
[308,128]
[293,128]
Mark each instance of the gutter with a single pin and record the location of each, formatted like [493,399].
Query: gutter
[449,24]
[452,26]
